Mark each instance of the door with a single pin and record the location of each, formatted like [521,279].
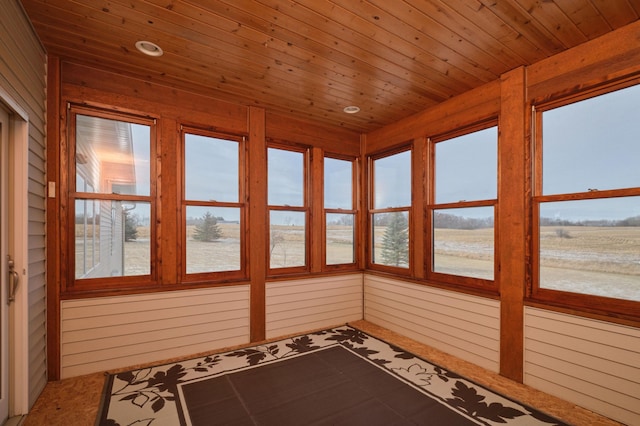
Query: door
[4,271]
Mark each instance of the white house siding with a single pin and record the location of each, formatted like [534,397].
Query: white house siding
[23,77]
[113,332]
[302,305]
[591,363]
[462,325]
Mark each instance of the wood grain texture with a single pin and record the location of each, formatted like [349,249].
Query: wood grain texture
[310,58]
[258,226]
[511,222]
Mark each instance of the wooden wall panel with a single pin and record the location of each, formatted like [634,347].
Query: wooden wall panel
[468,108]
[23,77]
[102,87]
[113,332]
[591,363]
[612,56]
[307,304]
[462,325]
[333,140]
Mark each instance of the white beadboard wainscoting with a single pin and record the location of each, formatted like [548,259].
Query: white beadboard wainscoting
[307,304]
[114,332]
[591,363]
[459,324]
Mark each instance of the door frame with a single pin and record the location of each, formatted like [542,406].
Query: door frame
[18,209]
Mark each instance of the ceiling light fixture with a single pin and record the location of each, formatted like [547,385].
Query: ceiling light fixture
[149,48]
[352,109]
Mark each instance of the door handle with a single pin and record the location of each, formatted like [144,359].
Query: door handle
[13,281]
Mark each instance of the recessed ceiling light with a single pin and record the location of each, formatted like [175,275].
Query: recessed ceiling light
[149,48]
[351,109]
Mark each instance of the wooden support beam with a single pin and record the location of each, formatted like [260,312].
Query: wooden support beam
[512,189]
[258,255]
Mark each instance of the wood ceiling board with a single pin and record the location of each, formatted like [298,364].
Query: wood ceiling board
[310,58]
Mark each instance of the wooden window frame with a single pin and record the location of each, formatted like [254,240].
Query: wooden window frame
[353,211]
[600,306]
[370,264]
[305,208]
[241,204]
[104,285]
[431,206]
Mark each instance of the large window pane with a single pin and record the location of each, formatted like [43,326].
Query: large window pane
[390,239]
[112,157]
[340,238]
[112,238]
[463,242]
[287,239]
[213,239]
[392,185]
[211,169]
[338,180]
[286,178]
[592,144]
[466,167]
[591,247]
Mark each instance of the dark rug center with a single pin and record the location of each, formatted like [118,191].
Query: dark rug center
[329,386]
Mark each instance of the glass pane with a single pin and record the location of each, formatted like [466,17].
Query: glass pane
[340,238]
[591,247]
[112,157]
[211,169]
[391,239]
[592,144]
[213,239]
[112,239]
[338,179]
[286,178]
[467,167]
[463,242]
[392,184]
[287,240]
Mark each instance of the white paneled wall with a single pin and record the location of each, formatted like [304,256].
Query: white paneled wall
[303,305]
[113,332]
[23,79]
[462,325]
[591,363]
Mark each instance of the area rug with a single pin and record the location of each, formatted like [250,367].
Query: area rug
[335,376]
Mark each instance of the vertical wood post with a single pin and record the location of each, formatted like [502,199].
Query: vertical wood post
[316,218]
[54,119]
[511,220]
[169,186]
[419,168]
[258,255]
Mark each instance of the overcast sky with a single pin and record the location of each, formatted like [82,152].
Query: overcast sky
[593,144]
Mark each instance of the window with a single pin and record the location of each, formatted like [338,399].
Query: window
[288,209]
[390,210]
[587,201]
[340,213]
[462,211]
[111,198]
[213,205]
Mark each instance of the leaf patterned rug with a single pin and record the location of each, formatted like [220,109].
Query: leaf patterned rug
[335,376]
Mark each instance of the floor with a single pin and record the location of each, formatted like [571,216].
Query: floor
[75,401]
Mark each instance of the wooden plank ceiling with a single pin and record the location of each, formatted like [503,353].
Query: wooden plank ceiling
[311,58]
